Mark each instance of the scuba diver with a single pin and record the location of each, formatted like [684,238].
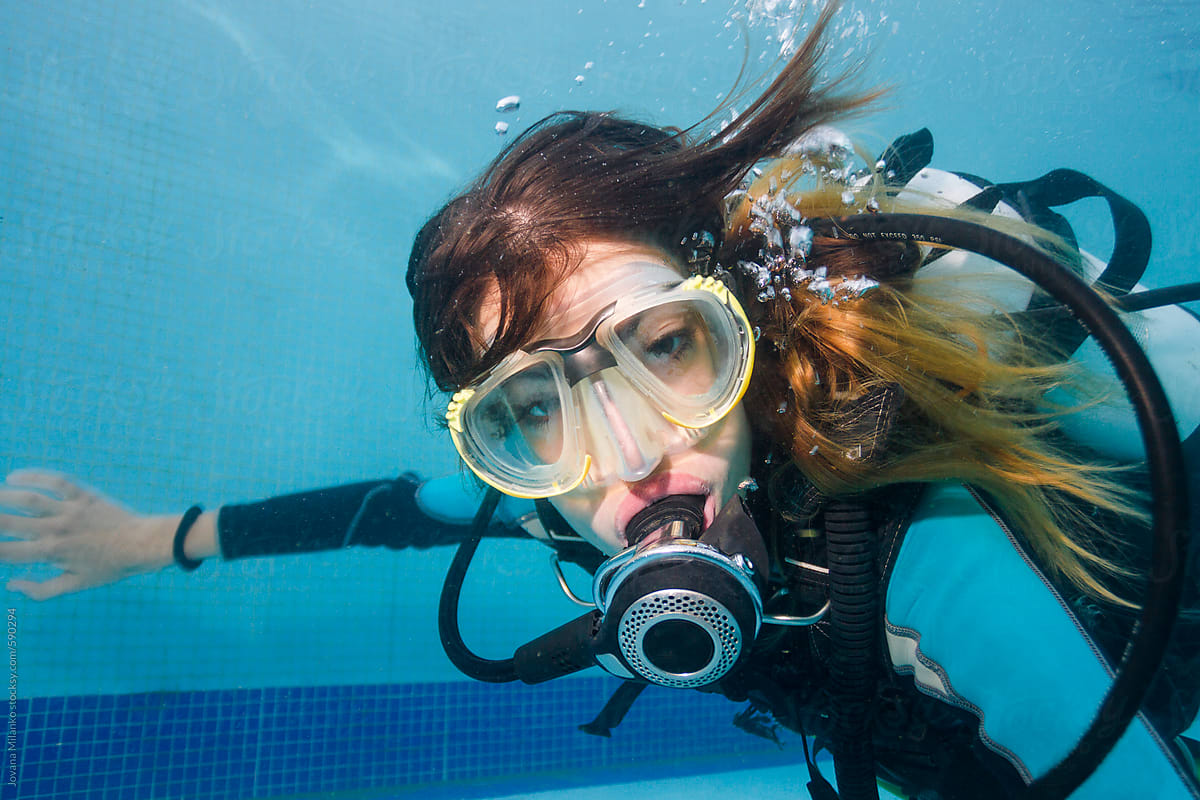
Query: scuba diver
[846,480]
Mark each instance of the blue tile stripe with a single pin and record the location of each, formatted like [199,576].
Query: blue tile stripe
[234,744]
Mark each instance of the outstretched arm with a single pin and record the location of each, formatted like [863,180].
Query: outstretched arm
[94,540]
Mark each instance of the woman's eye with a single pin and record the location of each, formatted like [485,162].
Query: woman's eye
[503,418]
[675,344]
[536,414]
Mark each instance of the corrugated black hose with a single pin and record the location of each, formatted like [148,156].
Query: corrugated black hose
[854,612]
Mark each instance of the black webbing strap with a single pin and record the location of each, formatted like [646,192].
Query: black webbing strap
[1034,201]
[1131,229]
[907,156]
[615,709]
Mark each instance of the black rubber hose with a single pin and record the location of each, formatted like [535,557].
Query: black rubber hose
[1134,301]
[1154,298]
[1163,452]
[854,611]
[471,665]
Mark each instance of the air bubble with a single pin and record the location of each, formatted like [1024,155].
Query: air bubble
[800,239]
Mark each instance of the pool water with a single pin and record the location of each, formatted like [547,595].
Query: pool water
[205,211]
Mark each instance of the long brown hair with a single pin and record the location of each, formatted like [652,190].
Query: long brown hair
[577,176]
[971,386]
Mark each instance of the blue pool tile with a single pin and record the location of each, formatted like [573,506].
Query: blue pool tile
[263,742]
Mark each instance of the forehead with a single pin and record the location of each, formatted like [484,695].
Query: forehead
[606,272]
[597,284]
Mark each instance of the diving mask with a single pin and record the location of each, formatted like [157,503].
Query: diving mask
[644,378]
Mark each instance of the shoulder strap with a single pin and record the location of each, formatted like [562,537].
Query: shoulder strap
[907,156]
[1131,229]
[1035,200]
[1131,239]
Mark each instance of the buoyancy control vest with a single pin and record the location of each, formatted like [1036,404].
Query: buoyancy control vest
[1167,334]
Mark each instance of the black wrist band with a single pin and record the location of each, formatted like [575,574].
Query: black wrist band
[189,518]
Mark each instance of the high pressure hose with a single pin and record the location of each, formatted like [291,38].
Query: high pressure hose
[1163,453]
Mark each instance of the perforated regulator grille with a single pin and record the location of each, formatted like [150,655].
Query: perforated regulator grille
[696,608]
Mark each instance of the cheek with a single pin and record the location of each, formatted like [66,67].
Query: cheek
[736,445]
[728,446]
[730,455]
[579,509]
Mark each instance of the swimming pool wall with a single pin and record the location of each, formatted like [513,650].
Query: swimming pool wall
[206,209]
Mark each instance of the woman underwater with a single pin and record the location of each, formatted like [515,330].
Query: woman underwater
[625,319]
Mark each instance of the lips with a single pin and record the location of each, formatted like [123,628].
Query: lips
[645,492]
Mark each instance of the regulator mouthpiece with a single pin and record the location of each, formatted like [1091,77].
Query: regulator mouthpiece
[681,515]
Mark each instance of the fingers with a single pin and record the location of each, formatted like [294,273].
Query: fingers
[54,482]
[27,501]
[32,507]
[19,526]
[65,583]
[22,553]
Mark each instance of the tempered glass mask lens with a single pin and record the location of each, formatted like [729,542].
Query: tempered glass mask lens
[686,346]
[679,357]
[521,419]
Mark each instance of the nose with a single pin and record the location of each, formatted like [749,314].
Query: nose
[619,436]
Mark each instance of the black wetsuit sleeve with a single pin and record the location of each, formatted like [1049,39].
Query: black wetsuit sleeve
[374,513]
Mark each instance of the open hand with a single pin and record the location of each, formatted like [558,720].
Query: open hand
[50,518]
